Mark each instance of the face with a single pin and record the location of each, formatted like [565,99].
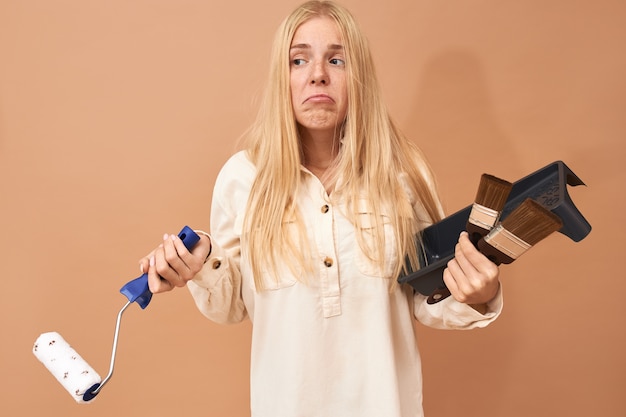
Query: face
[317,76]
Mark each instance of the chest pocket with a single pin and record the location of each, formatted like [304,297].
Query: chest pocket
[369,230]
[283,277]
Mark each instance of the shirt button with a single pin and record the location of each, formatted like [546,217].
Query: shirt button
[325,208]
[328,262]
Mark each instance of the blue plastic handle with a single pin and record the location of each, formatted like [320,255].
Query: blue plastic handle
[137,290]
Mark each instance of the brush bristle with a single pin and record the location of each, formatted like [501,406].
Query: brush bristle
[532,222]
[492,192]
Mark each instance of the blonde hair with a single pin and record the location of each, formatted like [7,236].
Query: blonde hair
[374,155]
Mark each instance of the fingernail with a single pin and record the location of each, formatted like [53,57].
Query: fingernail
[165,236]
[141,268]
[152,261]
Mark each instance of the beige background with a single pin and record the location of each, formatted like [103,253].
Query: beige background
[116,115]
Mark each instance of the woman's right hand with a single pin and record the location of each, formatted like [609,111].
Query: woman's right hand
[171,265]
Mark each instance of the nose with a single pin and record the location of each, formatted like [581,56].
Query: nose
[319,75]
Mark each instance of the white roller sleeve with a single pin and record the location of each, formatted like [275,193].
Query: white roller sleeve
[65,364]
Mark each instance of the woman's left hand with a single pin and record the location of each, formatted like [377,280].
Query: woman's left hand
[470,276]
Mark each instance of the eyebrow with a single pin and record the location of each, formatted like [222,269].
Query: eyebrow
[332,46]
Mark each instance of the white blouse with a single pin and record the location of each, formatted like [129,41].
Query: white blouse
[340,343]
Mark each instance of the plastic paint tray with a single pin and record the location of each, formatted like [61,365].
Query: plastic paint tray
[547,186]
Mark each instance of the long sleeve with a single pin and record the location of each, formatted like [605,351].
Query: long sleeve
[217,288]
[451,314]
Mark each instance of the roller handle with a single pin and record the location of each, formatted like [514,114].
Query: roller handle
[137,290]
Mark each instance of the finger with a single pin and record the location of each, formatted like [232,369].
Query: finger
[467,280]
[472,260]
[464,252]
[175,252]
[480,273]
[182,260]
[162,264]
[155,283]
[192,260]
[144,263]
[473,277]
[452,285]
[456,281]
[169,264]
[462,262]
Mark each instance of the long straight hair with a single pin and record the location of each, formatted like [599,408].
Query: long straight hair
[375,161]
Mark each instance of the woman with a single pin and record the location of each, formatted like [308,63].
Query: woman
[309,229]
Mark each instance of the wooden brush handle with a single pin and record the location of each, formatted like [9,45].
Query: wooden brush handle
[475,232]
[493,254]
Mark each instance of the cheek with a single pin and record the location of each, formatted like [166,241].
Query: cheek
[343,90]
[295,107]
[344,103]
[293,88]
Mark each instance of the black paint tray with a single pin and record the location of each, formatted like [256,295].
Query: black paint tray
[547,186]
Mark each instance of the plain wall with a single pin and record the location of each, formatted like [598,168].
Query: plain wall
[115,117]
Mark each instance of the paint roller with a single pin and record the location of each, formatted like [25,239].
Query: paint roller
[68,367]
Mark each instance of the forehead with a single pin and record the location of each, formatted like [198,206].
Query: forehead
[319,28]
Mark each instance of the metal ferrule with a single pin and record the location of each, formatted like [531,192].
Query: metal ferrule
[506,242]
[483,217]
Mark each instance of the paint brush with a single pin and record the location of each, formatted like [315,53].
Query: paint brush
[490,199]
[522,229]
[528,224]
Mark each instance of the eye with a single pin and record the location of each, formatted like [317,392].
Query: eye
[337,61]
[298,61]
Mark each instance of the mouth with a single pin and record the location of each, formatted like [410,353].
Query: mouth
[319,98]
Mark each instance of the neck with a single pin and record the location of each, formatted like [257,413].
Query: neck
[320,150]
